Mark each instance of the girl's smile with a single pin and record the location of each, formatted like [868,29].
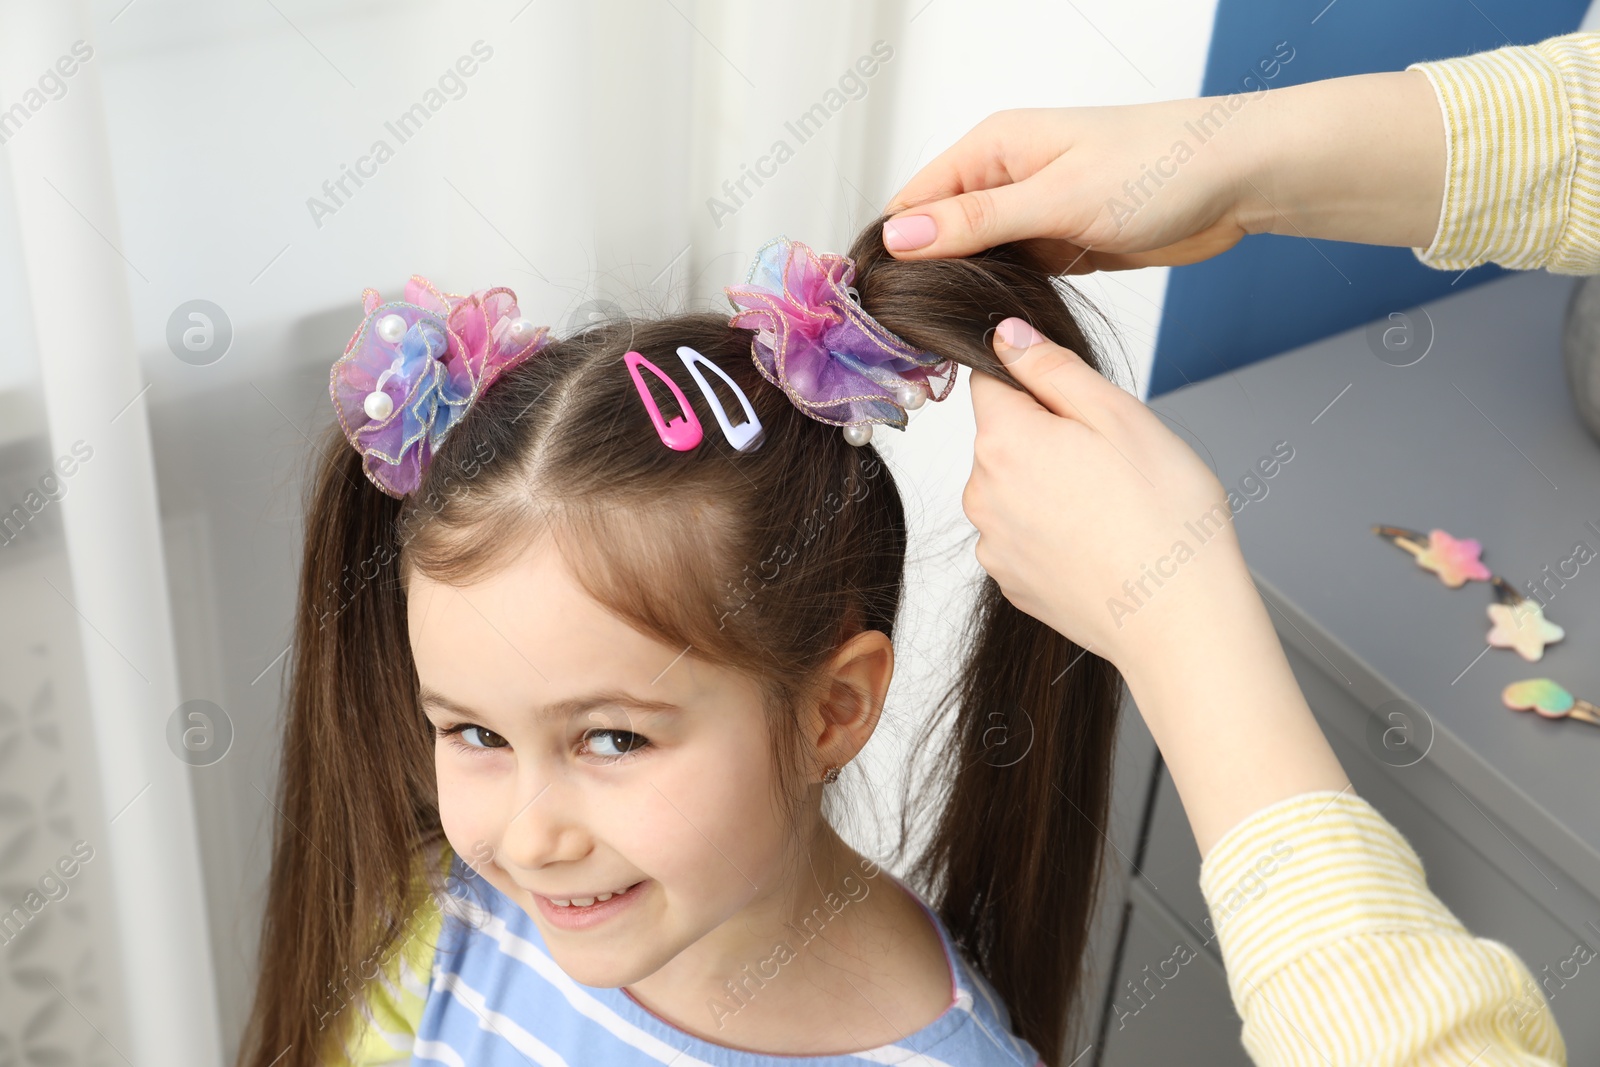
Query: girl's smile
[582,911]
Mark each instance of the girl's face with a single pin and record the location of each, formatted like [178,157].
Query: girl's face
[577,757]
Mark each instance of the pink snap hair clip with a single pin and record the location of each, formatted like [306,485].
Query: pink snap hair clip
[682,433]
[745,436]
[1550,700]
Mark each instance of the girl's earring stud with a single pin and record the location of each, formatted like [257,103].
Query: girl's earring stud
[830,775]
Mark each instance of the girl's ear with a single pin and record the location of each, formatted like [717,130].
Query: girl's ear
[856,683]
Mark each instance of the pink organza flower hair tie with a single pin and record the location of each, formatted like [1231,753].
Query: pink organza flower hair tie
[414,367]
[832,359]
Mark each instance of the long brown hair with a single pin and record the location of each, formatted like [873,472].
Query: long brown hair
[684,546]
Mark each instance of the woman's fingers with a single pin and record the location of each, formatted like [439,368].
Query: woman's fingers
[1212,241]
[939,179]
[1071,458]
[977,161]
[970,222]
[1056,379]
[1106,188]
[976,194]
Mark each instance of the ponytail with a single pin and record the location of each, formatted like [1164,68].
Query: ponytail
[1014,857]
[353,811]
[1018,798]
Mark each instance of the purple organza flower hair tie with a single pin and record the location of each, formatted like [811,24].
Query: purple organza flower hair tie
[414,367]
[832,359]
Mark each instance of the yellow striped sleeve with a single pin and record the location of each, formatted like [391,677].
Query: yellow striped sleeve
[380,1024]
[1522,168]
[1338,953]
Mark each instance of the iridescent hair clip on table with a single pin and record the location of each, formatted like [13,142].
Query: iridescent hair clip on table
[415,366]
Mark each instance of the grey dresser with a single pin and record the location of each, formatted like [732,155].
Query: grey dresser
[1455,416]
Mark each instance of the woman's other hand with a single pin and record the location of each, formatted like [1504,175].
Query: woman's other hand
[1082,498]
[1099,521]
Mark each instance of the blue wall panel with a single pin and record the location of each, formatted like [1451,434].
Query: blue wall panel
[1271,293]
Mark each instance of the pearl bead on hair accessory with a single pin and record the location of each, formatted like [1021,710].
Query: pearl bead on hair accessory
[391,328]
[378,405]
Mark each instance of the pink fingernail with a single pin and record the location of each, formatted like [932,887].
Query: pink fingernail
[1015,333]
[909,233]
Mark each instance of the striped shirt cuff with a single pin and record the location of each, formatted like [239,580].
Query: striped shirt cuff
[1510,154]
[1337,952]
[1308,871]
[1577,57]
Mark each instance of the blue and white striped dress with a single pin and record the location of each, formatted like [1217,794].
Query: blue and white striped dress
[498,999]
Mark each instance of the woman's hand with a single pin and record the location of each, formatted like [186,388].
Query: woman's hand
[1082,497]
[1107,188]
[1070,178]
[1099,521]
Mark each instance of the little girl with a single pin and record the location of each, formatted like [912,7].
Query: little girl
[584,633]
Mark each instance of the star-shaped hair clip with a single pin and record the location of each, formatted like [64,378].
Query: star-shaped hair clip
[1517,621]
[1550,700]
[1455,561]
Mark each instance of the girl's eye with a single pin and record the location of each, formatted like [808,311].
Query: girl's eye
[474,737]
[612,744]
